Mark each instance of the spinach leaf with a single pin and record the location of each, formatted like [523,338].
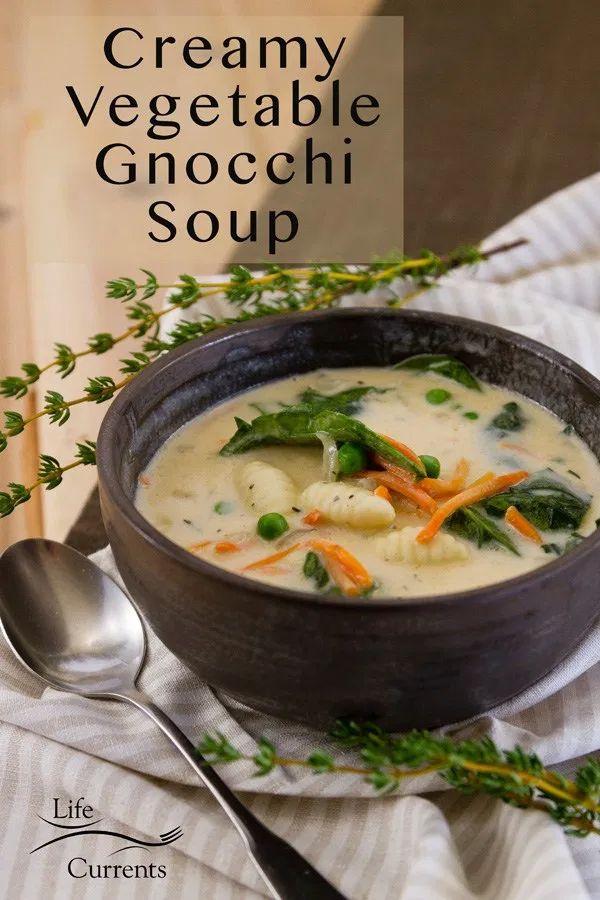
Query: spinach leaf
[552,548]
[299,425]
[545,500]
[441,364]
[314,568]
[511,418]
[572,541]
[472,523]
[347,401]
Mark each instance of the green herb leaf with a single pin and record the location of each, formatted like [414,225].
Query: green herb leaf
[100,389]
[13,422]
[86,453]
[510,419]
[32,371]
[264,760]
[314,568]
[135,363]
[472,523]
[187,294]
[101,343]
[441,364]
[475,766]
[552,548]
[216,748]
[545,500]
[14,386]
[299,425]
[321,762]
[571,543]
[64,359]
[347,401]
[55,406]
[123,289]
[50,472]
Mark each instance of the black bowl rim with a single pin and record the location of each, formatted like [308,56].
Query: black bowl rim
[488,594]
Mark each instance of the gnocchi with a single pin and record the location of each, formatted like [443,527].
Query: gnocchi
[345,504]
[402,546]
[266,488]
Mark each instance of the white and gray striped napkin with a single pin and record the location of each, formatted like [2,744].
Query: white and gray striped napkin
[437,846]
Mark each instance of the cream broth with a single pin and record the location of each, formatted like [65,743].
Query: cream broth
[198,499]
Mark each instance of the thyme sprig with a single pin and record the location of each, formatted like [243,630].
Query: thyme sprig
[50,475]
[275,291]
[385,761]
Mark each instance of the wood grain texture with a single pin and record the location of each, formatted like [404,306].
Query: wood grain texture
[52,193]
[499,110]
[19,462]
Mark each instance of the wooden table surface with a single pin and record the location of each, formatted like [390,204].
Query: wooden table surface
[500,111]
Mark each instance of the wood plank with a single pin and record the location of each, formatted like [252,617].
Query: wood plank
[63,197]
[18,463]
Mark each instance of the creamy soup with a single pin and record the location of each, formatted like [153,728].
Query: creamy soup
[377,481]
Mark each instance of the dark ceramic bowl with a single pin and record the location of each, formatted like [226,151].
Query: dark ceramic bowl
[405,663]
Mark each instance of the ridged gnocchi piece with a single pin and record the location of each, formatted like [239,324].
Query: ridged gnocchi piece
[402,546]
[265,488]
[344,504]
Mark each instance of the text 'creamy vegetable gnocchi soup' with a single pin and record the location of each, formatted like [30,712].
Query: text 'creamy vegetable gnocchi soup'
[394,482]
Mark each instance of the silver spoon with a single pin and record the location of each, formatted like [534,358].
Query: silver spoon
[73,627]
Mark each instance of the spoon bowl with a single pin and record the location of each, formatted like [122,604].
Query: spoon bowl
[68,621]
[73,627]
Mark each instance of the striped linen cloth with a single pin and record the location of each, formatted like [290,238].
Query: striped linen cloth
[436,845]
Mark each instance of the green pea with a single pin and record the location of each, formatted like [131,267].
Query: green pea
[437,396]
[271,526]
[432,466]
[223,507]
[351,458]
[471,415]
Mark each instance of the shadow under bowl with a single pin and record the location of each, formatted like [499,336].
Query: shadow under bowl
[404,663]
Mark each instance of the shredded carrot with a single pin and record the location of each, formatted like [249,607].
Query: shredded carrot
[227,547]
[382,491]
[483,478]
[348,573]
[410,454]
[199,546]
[522,525]
[405,488]
[473,494]
[343,580]
[441,487]
[273,558]
[398,471]
[313,517]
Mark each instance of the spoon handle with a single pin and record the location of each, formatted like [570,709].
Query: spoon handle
[288,875]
